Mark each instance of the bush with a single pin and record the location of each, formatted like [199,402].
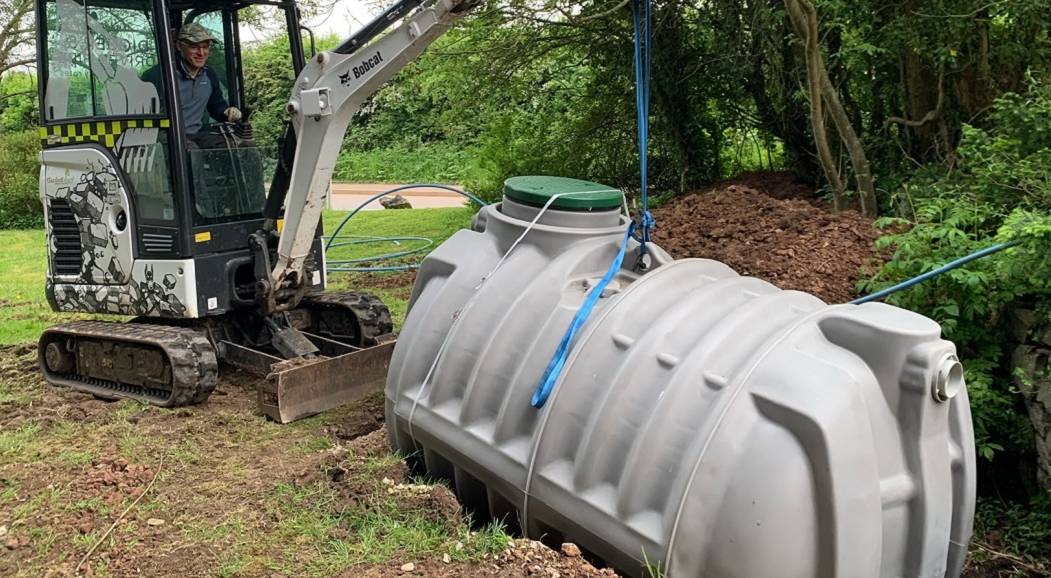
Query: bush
[999,190]
[19,181]
[1023,528]
[18,101]
[438,162]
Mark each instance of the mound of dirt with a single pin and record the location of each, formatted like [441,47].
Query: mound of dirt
[788,242]
[776,184]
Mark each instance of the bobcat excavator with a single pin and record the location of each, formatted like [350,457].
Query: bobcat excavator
[145,219]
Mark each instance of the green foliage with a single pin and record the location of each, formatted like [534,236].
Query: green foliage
[268,75]
[1024,529]
[19,180]
[441,162]
[751,150]
[1000,190]
[18,102]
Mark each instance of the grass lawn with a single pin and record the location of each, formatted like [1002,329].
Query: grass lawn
[24,311]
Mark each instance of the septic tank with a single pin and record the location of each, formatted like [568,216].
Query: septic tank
[706,424]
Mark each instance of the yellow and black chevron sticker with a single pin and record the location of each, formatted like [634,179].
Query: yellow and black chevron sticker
[102,132]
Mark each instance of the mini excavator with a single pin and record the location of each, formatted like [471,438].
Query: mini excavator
[177,230]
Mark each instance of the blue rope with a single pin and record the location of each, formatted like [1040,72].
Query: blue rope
[641,226]
[921,278]
[554,367]
[642,21]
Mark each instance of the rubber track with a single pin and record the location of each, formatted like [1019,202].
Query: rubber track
[195,367]
[372,314]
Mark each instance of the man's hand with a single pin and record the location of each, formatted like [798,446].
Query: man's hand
[232,114]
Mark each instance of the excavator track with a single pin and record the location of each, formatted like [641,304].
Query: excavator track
[358,319]
[163,365]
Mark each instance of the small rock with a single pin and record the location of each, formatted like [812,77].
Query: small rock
[571,550]
[458,546]
[339,533]
[11,544]
[395,202]
[155,522]
[553,573]
[408,567]
[446,558]
[3,531]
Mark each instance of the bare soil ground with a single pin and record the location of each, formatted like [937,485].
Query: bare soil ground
[216,490]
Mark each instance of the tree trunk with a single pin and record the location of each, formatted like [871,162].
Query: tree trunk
[769,65]
[817,115]
[804,18]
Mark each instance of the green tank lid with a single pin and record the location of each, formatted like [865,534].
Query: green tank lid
[585,195]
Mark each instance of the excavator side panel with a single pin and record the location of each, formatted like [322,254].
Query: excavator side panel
[91,230]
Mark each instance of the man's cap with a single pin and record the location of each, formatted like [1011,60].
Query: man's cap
[194,33]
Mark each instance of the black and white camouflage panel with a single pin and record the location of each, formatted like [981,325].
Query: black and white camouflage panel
[157,289]
[110,279]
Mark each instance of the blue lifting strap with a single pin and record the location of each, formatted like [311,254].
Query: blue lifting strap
[642,20]
[554,367]
[639,228]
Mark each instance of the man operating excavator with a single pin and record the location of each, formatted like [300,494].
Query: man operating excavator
[199,89]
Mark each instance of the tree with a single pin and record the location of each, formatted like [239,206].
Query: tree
[18,101]
[16,34]
[824,94]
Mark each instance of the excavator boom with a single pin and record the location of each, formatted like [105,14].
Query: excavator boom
[327,94]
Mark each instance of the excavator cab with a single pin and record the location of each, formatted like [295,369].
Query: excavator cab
[155,210]
[177,189]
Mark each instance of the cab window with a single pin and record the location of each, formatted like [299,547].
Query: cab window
[103,86]
[217,62]
[225,166]
[96,56]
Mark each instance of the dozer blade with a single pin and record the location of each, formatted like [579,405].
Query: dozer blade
[298,388]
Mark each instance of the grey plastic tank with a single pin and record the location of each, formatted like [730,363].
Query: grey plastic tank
[706,424]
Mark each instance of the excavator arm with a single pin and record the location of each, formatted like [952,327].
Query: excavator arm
[329,91]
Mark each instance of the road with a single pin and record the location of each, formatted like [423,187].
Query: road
[346,196]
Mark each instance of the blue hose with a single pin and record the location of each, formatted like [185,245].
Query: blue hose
[351,265]
[921,278]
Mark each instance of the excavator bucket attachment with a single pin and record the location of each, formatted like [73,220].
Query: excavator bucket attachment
[298,388]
